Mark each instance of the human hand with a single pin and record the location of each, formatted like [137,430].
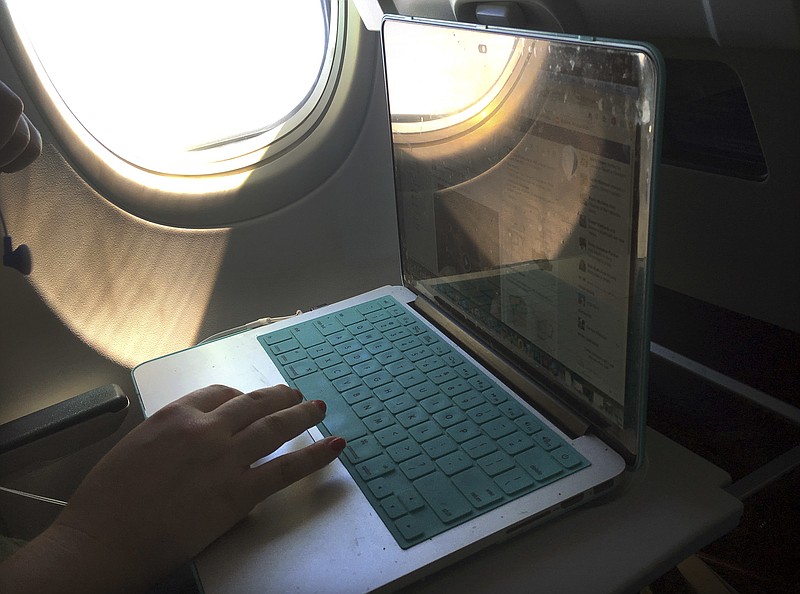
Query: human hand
[177,482]
[20,141]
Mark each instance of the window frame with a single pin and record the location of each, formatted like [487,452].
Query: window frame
[256,183]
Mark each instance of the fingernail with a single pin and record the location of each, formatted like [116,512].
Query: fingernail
[321,405]
[337,444]
[299,393]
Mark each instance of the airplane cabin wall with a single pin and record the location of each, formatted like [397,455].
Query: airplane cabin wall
[110,290]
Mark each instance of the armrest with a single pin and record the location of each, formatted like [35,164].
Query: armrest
[55,418]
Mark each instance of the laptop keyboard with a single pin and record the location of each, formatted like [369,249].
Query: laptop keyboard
[432,441]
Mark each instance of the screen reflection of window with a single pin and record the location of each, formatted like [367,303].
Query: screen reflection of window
[458,82]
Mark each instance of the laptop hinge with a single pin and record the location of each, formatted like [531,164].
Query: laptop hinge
[567,421]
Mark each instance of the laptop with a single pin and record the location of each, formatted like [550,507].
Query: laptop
[505,382]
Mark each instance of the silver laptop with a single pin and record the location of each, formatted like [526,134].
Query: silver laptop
[505,382]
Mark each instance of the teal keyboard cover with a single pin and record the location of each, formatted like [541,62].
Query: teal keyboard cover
[432,441]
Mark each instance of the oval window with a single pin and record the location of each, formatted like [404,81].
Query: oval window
[183,87]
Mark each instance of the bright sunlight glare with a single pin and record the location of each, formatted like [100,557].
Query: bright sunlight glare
[460,80]
[155,81]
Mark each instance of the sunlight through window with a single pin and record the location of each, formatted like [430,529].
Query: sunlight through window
[183,86]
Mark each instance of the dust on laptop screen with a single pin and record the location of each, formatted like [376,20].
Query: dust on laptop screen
[520,198]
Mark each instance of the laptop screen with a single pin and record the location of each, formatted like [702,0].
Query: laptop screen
[523,170]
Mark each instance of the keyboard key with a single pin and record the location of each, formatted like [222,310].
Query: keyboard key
[423,390]
[480,447]
[466,371]
[291,356]
[464,431]
[357,395]
[354,358]
[425,431]
[511,409]
[379,421]
[480,383]
[499,427]
[377,316]
[469,399]
[378,346]
[449,417]
[411,500]
[285,346]
[453,463]
[568,457]
[328,360]
[430,364]
[417,467]
[411,417]
[411,378]
[346,383]
[418,353]
[404,450]
[547,439]
[359,327]
[478,488]
[378,379]
[483,413]
[400,367]
[338,338]
[345,348]
[368,307]
[275,337]
[396,333]
[454,387]
[389,356]
[409,342]
[369,336]
[380,487]
[363,448]
[445,500]
[337,371]
[436,403]
[514,480]
[389,390]
[528,424]
[376,467]
[390,435]
[307,335]
[367,367]
[439,348]
[539,464]
[439,446]
[348,316]
[495,395]
[515,443]
[393,508]
[328,325]
[496,462]
[441,376]
[400,403]
[367,407]
[385,326]
[410,527]
[300,368]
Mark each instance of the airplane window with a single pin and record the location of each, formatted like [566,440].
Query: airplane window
[182,87]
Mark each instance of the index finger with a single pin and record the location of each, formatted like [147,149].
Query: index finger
[209,398]
[282,471]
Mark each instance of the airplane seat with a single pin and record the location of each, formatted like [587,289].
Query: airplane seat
[45,440]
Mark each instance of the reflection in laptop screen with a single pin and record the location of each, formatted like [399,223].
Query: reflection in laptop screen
[519,204]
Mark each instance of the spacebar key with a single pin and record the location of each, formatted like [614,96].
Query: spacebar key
[339,418]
